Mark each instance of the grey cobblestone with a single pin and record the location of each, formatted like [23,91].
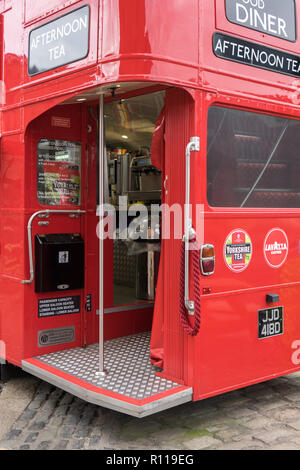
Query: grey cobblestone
[36,404]
[246,444]
[43,416]
[264,416]
[66,431]
[260,422]
[37,426]
[94,443]
[295,424]
[202,443]
[270,437]
[57,421]
[32,437]
[82,432]
[61,410]
[29,414]
[48,434]
[44,445]
[77,444]
[229,435]
[61,445]
[13,434]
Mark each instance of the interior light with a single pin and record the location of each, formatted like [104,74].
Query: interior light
[124,136]
[81,99]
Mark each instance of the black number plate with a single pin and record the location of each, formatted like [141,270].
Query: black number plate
[270,322]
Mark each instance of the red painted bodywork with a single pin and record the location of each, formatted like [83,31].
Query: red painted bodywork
[167,43]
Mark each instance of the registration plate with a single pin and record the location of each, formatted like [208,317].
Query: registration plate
[270,322]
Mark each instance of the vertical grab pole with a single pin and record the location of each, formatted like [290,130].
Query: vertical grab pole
[193,146]
[102,371]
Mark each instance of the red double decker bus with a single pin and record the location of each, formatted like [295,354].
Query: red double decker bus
[118,113]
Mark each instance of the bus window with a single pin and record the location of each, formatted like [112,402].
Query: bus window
[253,160]
[58,175]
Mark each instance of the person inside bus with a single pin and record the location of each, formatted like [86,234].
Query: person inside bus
[157,160]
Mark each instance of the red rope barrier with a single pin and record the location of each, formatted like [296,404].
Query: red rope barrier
[184,315]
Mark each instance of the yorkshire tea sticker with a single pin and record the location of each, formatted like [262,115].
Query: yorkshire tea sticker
[238,250]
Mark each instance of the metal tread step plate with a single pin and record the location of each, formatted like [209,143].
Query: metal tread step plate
[131,385]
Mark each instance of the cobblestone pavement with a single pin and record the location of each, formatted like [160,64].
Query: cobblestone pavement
[264,416]
[16,395]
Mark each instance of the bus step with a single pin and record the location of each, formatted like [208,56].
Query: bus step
[131,385]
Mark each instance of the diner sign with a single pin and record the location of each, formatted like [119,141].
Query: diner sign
[59,42]
[273,17]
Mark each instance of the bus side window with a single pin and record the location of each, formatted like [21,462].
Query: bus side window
[252,160]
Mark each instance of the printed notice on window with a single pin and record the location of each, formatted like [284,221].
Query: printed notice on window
[59,169]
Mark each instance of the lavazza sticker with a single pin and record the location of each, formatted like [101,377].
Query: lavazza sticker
[238,250]
[276,247]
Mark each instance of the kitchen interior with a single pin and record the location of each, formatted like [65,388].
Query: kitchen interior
[129,127]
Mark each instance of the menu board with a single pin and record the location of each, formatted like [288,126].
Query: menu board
[59,172]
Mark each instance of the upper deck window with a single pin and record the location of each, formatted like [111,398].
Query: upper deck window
[253,160]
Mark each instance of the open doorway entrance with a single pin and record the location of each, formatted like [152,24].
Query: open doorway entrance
[129,268]
[133,185]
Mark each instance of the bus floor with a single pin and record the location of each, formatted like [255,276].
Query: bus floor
[130,385]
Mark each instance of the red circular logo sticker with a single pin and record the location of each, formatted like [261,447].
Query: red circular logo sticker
[238,250]
[276,247]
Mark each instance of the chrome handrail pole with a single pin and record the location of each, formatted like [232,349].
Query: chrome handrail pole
[101,371]
[193,146]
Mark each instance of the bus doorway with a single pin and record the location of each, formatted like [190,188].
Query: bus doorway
[112,366]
